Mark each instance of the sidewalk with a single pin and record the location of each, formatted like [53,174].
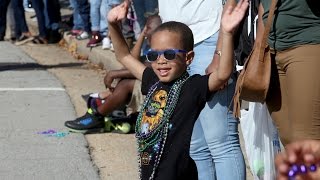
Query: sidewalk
[34,106]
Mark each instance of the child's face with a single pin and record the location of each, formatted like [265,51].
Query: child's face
[169,70]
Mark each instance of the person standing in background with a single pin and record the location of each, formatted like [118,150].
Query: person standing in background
[294,92]
[3,18]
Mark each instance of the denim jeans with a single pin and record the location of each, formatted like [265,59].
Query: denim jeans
[25,3]
[84,11]
[38,6]
[11,21]
[142,7]
[98,12]
[215,146]
[52,14]
[19,18]
[48,15]
[77,20]
[3,17]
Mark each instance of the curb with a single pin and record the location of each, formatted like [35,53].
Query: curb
[96,55]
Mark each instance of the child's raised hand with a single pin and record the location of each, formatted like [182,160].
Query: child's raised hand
[233,16]
[119,12]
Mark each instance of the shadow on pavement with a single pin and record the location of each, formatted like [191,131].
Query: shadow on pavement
[34,66]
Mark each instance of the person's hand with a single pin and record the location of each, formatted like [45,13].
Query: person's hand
[108,79]
[144,32]
[232,16]
[305,152]
[119,12]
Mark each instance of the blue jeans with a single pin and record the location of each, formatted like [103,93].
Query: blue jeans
[52,14]
[84,11]
[39,7]
[215,146]
[48,15]
[19,18]
[25,3]
[77,20]
[3,17]
[142,7]
[98,12]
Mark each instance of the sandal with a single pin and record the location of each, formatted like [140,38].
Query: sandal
[39,40]
[23,39]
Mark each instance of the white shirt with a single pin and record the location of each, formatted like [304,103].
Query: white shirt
[202,16]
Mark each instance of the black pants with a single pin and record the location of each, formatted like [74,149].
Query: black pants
[3,17]
[19,17]
[47,14]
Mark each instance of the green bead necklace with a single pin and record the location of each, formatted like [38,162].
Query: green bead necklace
[157,137]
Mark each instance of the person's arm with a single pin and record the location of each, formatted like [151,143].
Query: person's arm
[122,52]
[213,66]
[136,50]
[229,22]
[300,152]
[116,74]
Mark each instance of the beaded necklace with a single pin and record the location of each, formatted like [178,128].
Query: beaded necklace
[157,137]
[300,169]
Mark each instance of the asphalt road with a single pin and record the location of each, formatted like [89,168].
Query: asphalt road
[34,105]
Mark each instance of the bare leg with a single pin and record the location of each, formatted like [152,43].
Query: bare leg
[120,95]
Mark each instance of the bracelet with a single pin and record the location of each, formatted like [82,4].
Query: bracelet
[218,52]
[300,169]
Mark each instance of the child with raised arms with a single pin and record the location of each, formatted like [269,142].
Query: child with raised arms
[173,98]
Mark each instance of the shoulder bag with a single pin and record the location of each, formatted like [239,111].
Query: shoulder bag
[253,81]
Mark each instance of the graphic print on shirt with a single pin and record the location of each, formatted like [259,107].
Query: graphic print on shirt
[153,114]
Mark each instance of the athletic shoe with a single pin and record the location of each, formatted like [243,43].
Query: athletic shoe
[83,35]
[87,123]
[121,127]
[118,122]
[106,43]
[95,40]
[76,32]
[54,36]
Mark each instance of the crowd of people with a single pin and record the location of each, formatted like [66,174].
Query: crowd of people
[179,59]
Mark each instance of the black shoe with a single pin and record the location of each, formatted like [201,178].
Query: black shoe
[54,37]
[88,123]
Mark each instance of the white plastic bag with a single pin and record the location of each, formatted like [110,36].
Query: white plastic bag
[261,140]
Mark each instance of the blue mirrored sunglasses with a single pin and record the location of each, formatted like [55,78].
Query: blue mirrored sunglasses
[169,54]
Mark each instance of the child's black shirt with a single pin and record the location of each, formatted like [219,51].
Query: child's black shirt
[175,162]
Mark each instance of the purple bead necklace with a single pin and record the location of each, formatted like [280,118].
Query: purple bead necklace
[300,169]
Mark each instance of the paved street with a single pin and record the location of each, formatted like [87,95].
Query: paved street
[34,106]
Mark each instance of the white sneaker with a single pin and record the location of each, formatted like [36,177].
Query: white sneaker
[111,48]
[106,43]
[83,35]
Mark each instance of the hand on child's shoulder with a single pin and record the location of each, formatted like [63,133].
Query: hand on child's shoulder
[119,12]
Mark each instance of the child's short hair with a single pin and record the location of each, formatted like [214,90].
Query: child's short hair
[183,30]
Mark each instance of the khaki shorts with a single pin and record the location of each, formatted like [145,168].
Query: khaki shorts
[136,100]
